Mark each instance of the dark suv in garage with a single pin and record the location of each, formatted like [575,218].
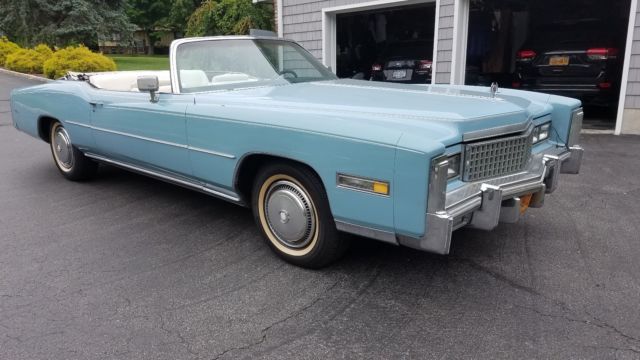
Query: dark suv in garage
[405,62]
[578,59]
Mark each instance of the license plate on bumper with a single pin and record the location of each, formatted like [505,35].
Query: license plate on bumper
[525,201]
[399,74]
[559,61]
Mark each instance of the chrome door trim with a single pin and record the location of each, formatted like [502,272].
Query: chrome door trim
[175,179]
[211,152]
[169,143]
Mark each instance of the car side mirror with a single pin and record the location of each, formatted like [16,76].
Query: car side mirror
[151,84]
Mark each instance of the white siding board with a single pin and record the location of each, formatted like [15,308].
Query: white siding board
[632,99]
[444,46]
[445,42]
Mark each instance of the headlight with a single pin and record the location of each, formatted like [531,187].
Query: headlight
[454,166]
[541,133]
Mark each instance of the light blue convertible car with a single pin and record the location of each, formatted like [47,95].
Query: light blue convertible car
[261,123]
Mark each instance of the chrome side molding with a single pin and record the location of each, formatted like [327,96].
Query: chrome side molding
[360,230]
[208,189]
[152,140]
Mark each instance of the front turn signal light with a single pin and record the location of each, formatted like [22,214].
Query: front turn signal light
[363,184]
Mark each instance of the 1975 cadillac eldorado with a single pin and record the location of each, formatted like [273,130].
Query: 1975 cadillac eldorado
[261,123]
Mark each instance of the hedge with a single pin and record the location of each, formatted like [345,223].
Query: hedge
[29,60]
[76,58]
[42,60]
[6,48]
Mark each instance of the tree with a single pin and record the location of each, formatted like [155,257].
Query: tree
[230,17]
[150,16]
[180,13]
[63,22]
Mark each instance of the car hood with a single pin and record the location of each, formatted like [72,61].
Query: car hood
[383,111]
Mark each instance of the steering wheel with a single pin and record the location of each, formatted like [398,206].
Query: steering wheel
[289,72]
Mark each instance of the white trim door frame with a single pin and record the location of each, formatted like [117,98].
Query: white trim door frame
[625,67]
[280,10]
[329,36]
[460,37]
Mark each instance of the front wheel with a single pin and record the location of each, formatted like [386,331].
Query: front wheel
[68,159]
[291,209]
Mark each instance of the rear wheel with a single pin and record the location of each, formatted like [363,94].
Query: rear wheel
[292,211]
[71,162]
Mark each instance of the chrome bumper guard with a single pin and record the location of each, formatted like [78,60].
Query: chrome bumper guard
[484,204]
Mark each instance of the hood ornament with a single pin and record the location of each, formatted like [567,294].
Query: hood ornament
[494,89]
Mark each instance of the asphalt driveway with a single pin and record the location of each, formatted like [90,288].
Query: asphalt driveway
[125,267]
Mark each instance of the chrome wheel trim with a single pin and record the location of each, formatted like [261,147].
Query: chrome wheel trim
[62,148]
[290,214]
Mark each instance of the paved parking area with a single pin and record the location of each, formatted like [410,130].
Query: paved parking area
[126,267]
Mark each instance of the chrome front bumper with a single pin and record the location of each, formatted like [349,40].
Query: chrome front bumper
[484,204]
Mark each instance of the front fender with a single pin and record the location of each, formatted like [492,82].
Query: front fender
[413,159]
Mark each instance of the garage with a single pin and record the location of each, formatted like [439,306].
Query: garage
[392,44]
[516,43]
[572,47]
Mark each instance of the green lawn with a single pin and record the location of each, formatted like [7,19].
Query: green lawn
[141,62]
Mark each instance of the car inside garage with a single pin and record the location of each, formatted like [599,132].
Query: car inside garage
[393,44]
[572,47]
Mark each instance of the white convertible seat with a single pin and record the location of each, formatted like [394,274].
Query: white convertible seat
[193,78]
[230,78]
[128,80]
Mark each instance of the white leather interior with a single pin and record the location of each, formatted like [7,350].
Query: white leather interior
[128,80]
[230,78]
[193,78]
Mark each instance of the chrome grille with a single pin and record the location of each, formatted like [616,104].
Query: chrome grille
[492,158]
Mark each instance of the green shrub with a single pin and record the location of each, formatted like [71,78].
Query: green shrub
[29,60]
[43,50]
[6,48]
[76,58]
[25,61]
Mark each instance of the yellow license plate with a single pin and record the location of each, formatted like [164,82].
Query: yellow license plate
[559,60]
[525,201]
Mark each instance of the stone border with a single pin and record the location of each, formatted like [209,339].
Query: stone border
[26,76]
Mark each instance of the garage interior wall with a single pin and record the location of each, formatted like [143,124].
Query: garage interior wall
[302,22]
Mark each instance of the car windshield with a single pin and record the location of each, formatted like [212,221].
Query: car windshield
[209,65]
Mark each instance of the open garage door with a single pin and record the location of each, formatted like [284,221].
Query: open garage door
[572,48]
[391,44]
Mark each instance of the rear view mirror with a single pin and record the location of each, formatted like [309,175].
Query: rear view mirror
[151,84]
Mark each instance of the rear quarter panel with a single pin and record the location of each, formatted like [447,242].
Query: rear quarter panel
[61,100]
